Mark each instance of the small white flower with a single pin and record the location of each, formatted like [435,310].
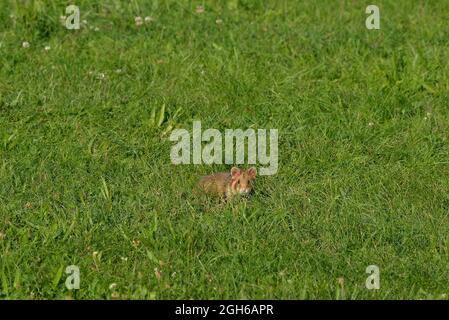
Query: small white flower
[101,76]
[62,19]
[25,44]
[199,9]
[97,29]
[370,124]
[112,286]
[138,21]
[149,19]
[218,21]
[124,259]
[47,48]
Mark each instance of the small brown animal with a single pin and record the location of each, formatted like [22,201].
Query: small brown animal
[227,184]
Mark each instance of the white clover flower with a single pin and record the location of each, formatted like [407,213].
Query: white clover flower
[47,48]
[149,19]
[112,286]
[138,21]
[25,44]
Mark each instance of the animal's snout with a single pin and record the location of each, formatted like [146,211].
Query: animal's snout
[245,190]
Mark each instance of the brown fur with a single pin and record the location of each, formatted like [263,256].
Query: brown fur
[227,184]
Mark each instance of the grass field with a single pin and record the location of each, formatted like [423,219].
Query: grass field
[85,171]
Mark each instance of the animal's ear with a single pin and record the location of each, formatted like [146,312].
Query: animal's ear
[252,172]
[235,172]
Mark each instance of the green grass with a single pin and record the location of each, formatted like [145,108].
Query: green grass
[363,174]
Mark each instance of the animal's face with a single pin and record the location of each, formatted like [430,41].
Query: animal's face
[241,180]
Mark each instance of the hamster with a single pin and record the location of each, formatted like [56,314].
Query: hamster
[228,184]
